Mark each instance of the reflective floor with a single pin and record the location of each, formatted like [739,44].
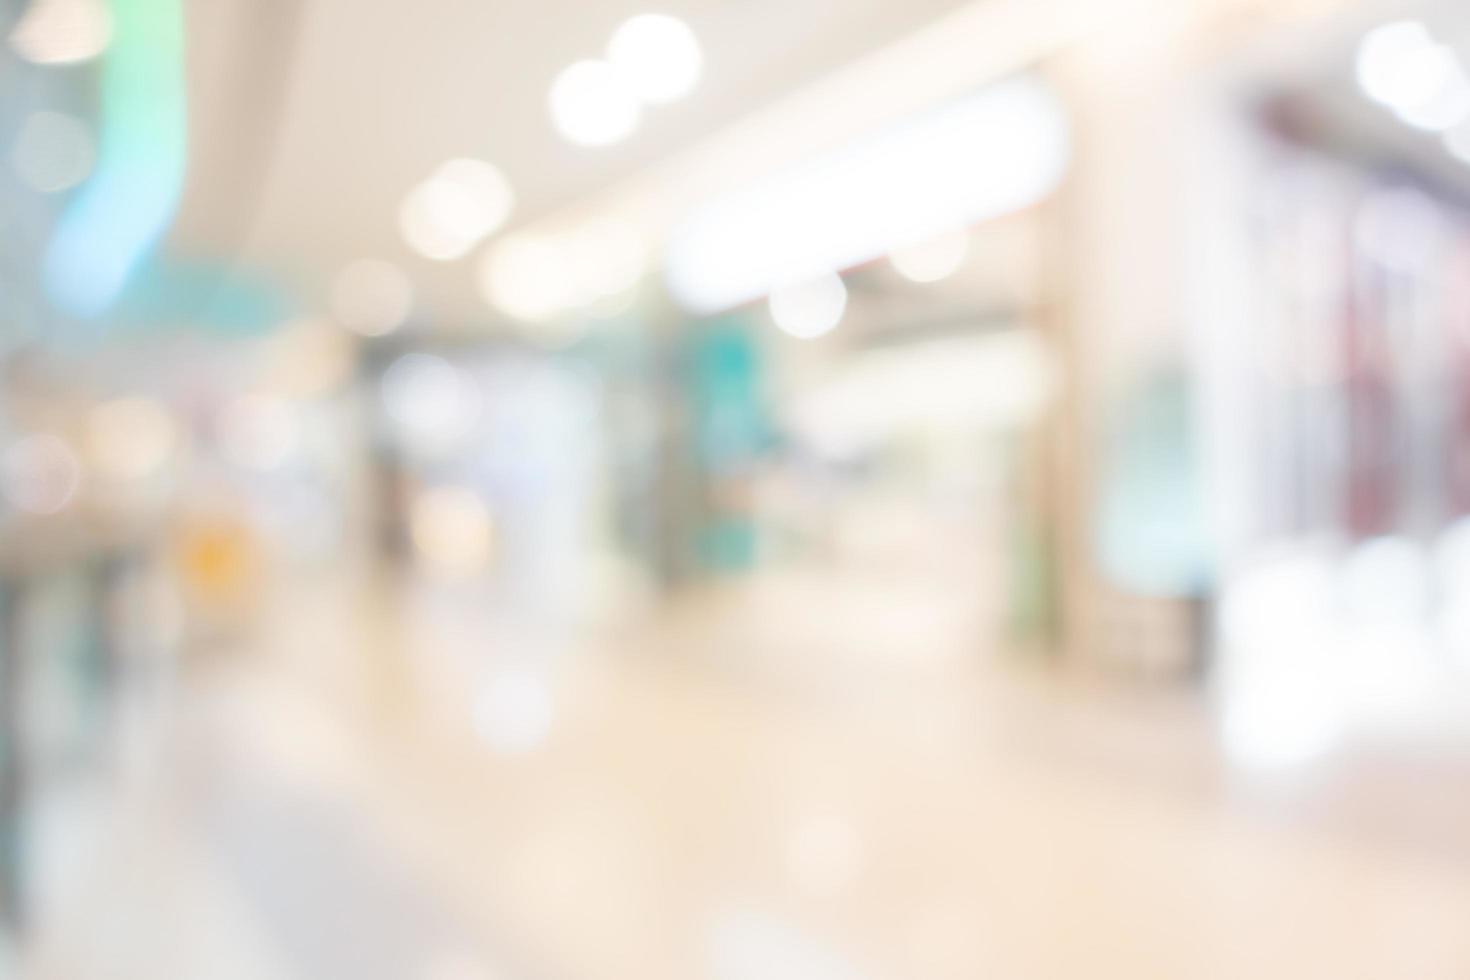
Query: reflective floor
[785,779]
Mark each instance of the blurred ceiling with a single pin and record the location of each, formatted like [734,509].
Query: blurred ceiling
[311,120]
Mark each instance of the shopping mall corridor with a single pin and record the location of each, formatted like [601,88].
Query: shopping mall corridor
[808,778]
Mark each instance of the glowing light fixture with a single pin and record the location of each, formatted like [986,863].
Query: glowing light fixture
[606,258]
[806,310]
[1447,109]
[525,278]
[930,261]
[1401,66]
[981,157]
[593,104]
[658,55]
[592,269]
[459,205]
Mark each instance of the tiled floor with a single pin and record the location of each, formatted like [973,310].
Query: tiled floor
[804,778]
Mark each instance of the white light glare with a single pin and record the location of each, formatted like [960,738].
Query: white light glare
[525,278]
[1449,108]
[1278,631]
[1402,67]
[458,206]
[593,104]
[658,55]
[978,158]
[1386,656]
[809,309]
[932,260]
[536,279]
[607,259]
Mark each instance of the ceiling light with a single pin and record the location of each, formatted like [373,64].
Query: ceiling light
[525,278]
[1448,108]
[459,205]
[978,158]
[1400,65]
[932,260]
[809,309]
[659,55]
[593,104]
[607,258]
